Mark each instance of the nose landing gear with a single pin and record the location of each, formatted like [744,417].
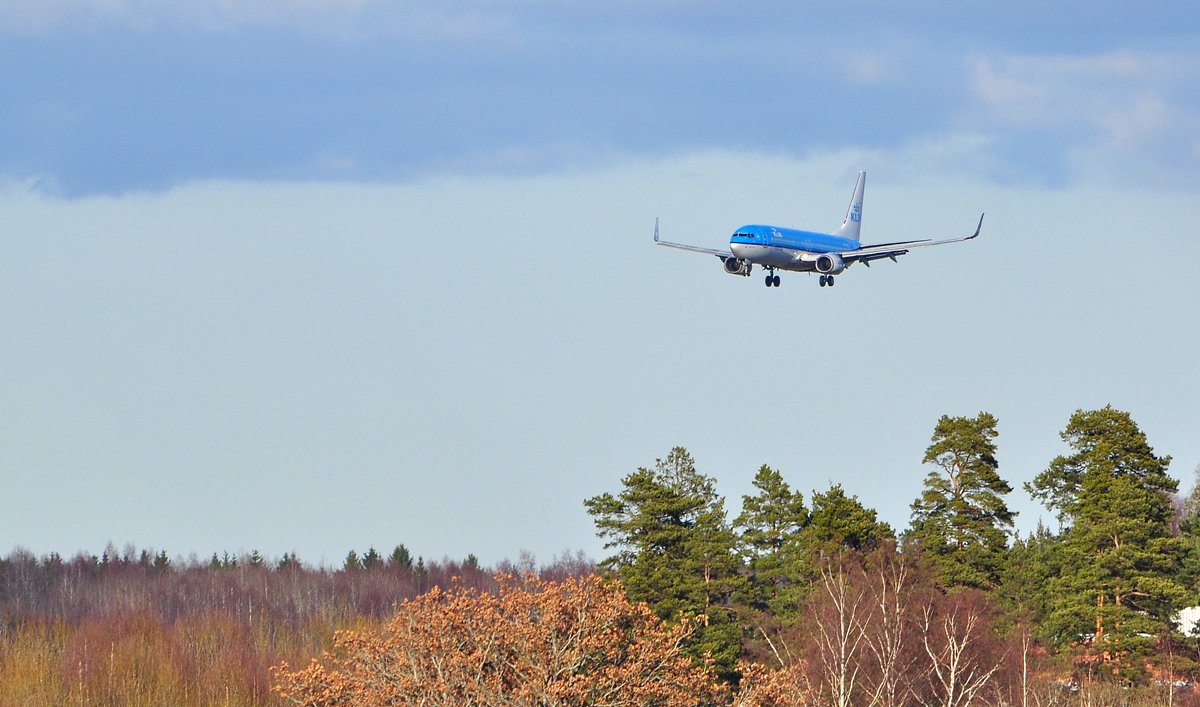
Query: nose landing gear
[772,280]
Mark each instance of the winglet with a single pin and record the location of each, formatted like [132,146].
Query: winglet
[656,229]
[977,228]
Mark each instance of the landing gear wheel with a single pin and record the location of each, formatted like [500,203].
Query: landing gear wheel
[767,281]
[824,280]
[831,280]
[775,281]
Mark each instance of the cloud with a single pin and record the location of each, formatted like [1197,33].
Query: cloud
[1052,91]
[867,69]
[371,90]
[1118,113]
[326,17]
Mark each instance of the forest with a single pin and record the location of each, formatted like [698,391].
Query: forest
[793,601]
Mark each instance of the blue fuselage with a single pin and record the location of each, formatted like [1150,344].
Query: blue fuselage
[785,248]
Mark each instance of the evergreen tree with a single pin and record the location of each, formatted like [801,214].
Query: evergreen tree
[372,559]
[1106,441]
[773,517]
[1025,579]
[401,559]
[840,522]
[770,525]
[1188,520]
[1120,561]
[420,573]
[961,518]
[674,549]
[53,563]
[289,561]
[352,563]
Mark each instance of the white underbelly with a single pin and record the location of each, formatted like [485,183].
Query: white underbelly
[772,257]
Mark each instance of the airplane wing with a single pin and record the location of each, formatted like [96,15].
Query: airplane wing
[722,254]
[868,253]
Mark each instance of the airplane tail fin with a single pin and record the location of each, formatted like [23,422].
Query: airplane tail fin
[850,226]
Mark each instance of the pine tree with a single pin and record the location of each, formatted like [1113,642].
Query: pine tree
[773,517]
[1120,561]
[1107,441]
[961,518]
[1031,565]
[372,559]
[401,559]
[674,549]
[770,524]
[840,522]
[289,561]
[1188,520]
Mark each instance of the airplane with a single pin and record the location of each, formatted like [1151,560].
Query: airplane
[775,248]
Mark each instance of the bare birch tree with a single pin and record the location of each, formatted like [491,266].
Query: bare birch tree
[963,654]
[891,656]
[839,613]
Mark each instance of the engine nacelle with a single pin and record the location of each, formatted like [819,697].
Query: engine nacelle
[734,266]
[831,264]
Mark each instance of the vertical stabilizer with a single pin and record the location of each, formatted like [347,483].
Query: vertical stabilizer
[853,222]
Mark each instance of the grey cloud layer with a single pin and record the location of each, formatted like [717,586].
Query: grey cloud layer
[131,95]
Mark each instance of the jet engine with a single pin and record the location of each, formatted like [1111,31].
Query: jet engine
[735,266]
[831,264]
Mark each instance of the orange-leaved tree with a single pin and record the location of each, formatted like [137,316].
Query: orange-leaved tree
[786,686]
[575,642]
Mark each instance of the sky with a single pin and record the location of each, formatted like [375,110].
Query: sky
[319,275]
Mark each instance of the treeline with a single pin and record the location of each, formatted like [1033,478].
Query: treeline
[814,601]
[954,609]
[794,601]
[134,627]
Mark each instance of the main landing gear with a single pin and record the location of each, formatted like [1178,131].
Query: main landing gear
[772,280]
[827,280]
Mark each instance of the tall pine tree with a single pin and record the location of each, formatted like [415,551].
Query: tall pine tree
[1119,558]
[961,518]
[674,550]
[770,525]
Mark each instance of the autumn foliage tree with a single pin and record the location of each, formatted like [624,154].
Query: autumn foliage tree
[575,642]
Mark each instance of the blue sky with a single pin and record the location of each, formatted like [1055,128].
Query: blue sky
[317,275]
